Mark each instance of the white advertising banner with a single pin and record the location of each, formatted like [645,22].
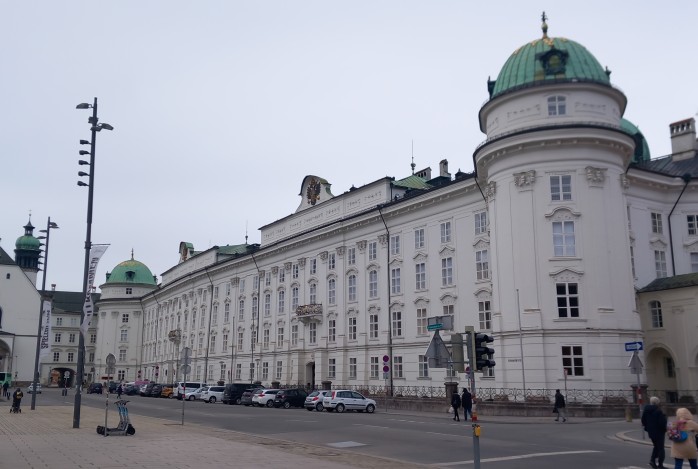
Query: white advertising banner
[96,252]
[45,344]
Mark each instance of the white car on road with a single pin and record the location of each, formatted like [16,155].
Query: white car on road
[264,397]
[342,400]
[195,394]
[213,394]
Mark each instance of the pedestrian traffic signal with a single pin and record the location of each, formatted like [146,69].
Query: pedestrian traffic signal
[484,355]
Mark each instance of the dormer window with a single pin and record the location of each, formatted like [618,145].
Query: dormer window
[129,290]
[130,274]
[557,106]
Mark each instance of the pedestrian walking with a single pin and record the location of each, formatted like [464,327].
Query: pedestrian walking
[17,401]
[683,446]
[654,422]
[559,408]
[455,403]
[119,390]
[467,402]
[5,390]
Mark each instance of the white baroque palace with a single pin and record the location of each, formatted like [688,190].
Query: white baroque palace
[543,246]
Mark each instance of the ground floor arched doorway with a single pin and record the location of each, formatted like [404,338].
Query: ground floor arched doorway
[310,375]
[661,372]
[62,377]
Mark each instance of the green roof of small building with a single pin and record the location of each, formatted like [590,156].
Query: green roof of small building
[413,182]
[669,283]
[548,60]
[131,271]
[233,249]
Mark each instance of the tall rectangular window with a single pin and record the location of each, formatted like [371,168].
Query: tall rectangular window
[331,261]
[563,239]
[395,245]
[238,371]
[656,313]
[331,292]
[480,223]
[482,264]
[656,223]
[669,367]
[447,310]
[557,106]
[212,345]
[241,341]
[279,368]
[294,334]
[294,271]
[572,360]
[294,298]
[561,187]
[312,332]
[226,313]
[397,323]
[241,314]
[255,307]
[332,330]
[332,368]
[352,368]
[265,370]
[71,338]
[313,293]
[420,276]
[279,336]
[267,279]
[372,250]
[446,271]
[267,304]
[375,367]
[423,366]
[59,321]
[124,318]
[395,281]
[567,300]
[265,337]
[694,262]
[397,367]
[692,222]
[225,342]
[373,284]
[660,264]
[419,238]
[124,335]
[446,232]
[281,301]
[56,356]
[373,326]
[351,285]
[313,266]
[484,312]
[352,328]
[421,321]
[351,256]
[71,356]
[282,274]
[255,284]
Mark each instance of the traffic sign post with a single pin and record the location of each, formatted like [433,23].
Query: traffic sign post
[185,363]
[633,346]
[635,366]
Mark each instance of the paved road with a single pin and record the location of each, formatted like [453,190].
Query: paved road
[420,438]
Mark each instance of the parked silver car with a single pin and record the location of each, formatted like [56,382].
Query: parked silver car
[213,394]
[314,400]
[342,400]
[264,397]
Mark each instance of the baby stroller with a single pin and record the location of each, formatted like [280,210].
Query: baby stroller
[16,402]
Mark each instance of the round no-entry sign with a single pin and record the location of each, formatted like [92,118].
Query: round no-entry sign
[386,359]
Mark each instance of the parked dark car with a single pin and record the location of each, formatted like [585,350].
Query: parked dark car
[292,397]
[234,391]
[155,391]
[148,389]
[246,398]
[113,385]
[95,388]
[131,389]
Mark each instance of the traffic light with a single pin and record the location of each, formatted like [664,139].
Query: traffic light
[457,357]
[484,355]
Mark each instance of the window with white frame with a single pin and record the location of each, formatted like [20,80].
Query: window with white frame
[281,295]
[313,293]
[480,223]
[279,335]
[294,334]
[446,271]
[694,262]
[253,336]
[352,328]
[215,292]
[567,300]
[373,284]
[238,371]
[213,344]
[313,266]
[564,243]
[294,298]
[225,341]
[267,304]
[331,291]
[373,326]
[332,368]
[91,357]
[129,290]
[241,313]
[352,367]
[692,223]
[397,323]
[482,264]
[228,287]
[395,281]
[572,360]
[397,367]
[201,344]
[351,286]
[312,332]
[484,312]
[93,338]
[71,338]
[656,222]
[214,315]
[375,367]
[660,264]
[226,314]
[265,370]
[656,314]
[59,321]
[557,106]
[241,341]
[446,232]
[395,245]
[124,318]
[267,279]
[56,356]
[560,187]
[266,333]
[331,261]
[332,330]
[447,310]
[420,276]
[242,285]
[282,274]
[124,335]
[294,271]
[255,284]
[372,250]
[279,368]
[71,356]
[421,321]
[255,307]
[419,238]
[351,256]
[423,366]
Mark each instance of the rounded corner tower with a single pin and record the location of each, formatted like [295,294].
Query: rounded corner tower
[130,278]
[552,170]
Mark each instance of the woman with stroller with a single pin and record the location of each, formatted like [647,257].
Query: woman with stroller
[17,401]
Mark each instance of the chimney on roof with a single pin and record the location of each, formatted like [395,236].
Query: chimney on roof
[443,169]
[683,139]
[53,287]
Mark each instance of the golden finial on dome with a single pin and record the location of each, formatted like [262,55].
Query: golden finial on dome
[544,26]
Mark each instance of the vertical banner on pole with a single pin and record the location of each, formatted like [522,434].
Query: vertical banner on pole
[96,252]
[45,344]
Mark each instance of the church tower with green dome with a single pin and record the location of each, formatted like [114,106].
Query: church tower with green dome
[28,252]
[120,318]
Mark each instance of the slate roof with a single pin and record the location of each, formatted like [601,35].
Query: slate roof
[70,301]
[664,165]
[5,258]
[669,283]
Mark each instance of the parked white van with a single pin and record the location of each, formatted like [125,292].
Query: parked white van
[182,387]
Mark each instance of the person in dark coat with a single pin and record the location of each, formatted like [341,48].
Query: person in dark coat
[560,406]
[654,422]
[467,402]
[17,401]
[119,390]
[5,390]
[455,403]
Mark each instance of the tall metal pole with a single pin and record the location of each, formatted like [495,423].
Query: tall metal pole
[85,287]
[35,381]
[523,371]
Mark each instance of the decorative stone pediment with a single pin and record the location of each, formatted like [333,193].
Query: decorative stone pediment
[383,239]
[525,179]
[562,213]
[490,190]
[596,177]
[448,299]
[566,275]
[421,300]
[447,251]
[361,245]
[340,251]
[420,257]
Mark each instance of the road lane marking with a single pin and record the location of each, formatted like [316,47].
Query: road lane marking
[511,458]
[373,426]
[345,444]
[444,434]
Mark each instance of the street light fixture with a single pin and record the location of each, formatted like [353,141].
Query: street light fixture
[35,379]
[95,127]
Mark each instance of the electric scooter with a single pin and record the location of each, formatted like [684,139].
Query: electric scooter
[124,427]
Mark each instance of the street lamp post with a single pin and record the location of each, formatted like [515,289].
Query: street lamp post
[94,128]
[35,379]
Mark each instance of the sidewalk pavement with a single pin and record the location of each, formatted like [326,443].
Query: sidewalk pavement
[45,438]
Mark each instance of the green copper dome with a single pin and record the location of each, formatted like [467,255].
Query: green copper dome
[548,60]
[28,242]
[642,150]
[131,271]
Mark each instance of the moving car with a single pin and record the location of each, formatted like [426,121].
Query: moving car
[264,397]
[95,388]
[314,400]
[30,388]
[213,394]
[345,399]
[292,397]
[195,394]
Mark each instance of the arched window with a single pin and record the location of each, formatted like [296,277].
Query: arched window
[656,314]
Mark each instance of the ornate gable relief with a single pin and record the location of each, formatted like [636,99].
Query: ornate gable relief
[395,263]
[447,251]
[525,180]
[373,266]
[562,214]
[566,275]
[490,190]
[420,257]
[361,245]
[323,256]
[383,239]
[421,301]
[596,177]
[691,245]
[658,244]
[352,312]
[340,251]
[448,299]
[481,244]
[301,262]
[312,280]
[332,315]
[483,294]
[295,321]
[374,308]
[275,270]
[287,266]
[241,296]
[397,304]
[267,324]
[352,270]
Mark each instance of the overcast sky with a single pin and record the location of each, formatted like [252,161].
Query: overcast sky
[220,108]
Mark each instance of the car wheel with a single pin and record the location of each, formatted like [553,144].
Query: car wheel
[238,401]
[270,404]
[191,398]
[287,405]
[212,400]
[370,408]
[340,408]
[319,407]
